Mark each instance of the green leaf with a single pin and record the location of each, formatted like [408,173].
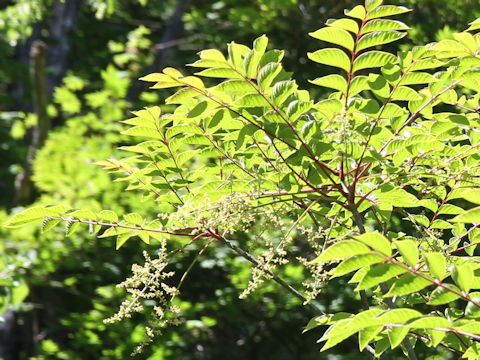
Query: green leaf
[181,95]
[381,346]
[122,239]
[469,194]
[34,214]
[159,77]
[417,78]
[334,81]
[469,216]
[251,100]
[19,293]
[197,110]
[267,74]
[378,38]
[463,276]
[247,130]
[234,88]
[441,224]
[407,284]
[426,64]
[326,319]
[474,25]
[372,4]
[376,241]
[342,250]
[436,263]
[358,84]
[358,276]
[378,274]
[108,215]
[209,64]
[472,353]
[144,236]
[409,251]
[367,335]
[405,93]
[357,12]
[372,59]
[452,48]
[193,81]
[272,56]
[83,214]
[343,329]
[383,25]
[182,129]
[331,57]
[346,24]
[397,316]
[134,218]
[236,53]
[355,263]
[250,63]
[282,90]
[379,86]
[467,40]
[260,44]
[221,73]
[143,132]
[436,336]
[48,224]
[397,197]
[386,10]
[396,336]
[335,36]
[429,322]
[212,54]
[297,108]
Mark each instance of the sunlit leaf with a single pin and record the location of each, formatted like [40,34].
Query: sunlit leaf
[341,250]
[331,57]
[335,36]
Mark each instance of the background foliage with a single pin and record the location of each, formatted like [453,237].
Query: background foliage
[59,290]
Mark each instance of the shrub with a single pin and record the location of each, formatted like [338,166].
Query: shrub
[375,181]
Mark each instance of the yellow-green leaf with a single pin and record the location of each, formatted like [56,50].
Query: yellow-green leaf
[383,25]
[342,250]
[357,12]
[409,251]
[436,263]
[346,24]
[335,36]
[376,241]
[372,59]
[334,81]
[331,57]
[386,10]
[469,216]
[376,38]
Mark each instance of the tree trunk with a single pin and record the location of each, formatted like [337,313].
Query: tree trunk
[64,19]
[164,55]
[23,182]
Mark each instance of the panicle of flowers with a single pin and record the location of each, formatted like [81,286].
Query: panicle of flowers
[150,293]
[229,215]
[274,252]
[316,238]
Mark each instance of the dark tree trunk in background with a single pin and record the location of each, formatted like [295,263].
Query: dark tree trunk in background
[23,182]
[19,89]
[164,54]
[9,339]
[64,19]
[174,31]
